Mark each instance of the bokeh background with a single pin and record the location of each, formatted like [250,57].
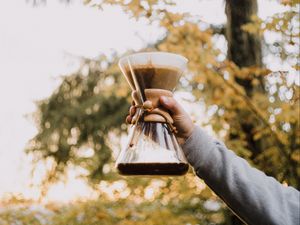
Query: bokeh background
[64,101]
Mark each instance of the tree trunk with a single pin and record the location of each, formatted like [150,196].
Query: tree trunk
[244,50]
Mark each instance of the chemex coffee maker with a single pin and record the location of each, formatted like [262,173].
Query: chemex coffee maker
[152,148]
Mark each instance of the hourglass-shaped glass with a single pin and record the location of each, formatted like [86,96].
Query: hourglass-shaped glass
[152,148]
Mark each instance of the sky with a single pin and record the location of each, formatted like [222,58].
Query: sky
[39,44]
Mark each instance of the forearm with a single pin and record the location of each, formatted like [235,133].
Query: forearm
[253,196]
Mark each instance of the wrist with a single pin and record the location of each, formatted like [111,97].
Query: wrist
[186,135]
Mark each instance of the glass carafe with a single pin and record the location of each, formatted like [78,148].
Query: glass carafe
[152,148]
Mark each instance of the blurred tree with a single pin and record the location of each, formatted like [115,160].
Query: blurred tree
[257,111]
[75,122]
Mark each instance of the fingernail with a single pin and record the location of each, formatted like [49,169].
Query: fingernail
[165,99]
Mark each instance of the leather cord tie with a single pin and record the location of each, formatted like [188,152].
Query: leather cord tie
[151,110]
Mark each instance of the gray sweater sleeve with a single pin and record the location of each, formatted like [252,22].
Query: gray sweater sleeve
[253,196]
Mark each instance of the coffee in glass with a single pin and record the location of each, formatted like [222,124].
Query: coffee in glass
[152,148]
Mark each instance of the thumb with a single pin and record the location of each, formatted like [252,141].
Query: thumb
[170,104]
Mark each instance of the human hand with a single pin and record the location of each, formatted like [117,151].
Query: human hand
[182,120]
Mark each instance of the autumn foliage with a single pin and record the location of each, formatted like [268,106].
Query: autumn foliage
[254,110]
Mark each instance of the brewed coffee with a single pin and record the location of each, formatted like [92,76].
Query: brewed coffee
[162,169]
[155,77]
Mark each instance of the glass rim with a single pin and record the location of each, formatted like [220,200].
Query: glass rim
[180,57]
